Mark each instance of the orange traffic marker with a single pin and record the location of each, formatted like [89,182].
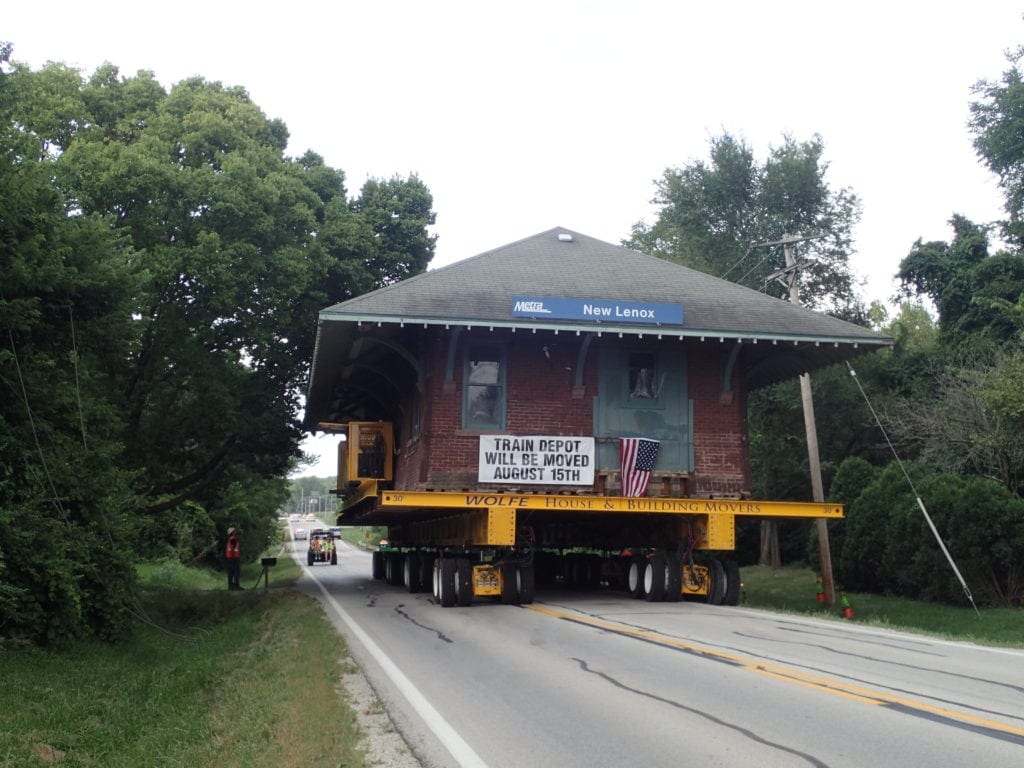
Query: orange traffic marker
[844,604]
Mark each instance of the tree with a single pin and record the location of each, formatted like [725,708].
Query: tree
[379,238]
[973,292]
[714,213]
[65,307]
[970,422]
[237,254]
[163,266]
[965,417]
[997,114]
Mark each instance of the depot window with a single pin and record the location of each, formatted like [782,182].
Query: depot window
[643,378]
[483,387]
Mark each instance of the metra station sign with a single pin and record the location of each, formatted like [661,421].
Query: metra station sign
[601,310]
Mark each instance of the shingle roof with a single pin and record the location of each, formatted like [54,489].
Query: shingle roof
[480,290]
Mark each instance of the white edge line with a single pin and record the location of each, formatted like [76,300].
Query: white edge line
[459,749]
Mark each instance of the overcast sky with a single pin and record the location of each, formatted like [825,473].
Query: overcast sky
[524,116]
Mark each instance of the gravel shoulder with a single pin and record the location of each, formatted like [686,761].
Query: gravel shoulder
[381,742]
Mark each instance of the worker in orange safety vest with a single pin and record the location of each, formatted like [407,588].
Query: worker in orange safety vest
[233,554]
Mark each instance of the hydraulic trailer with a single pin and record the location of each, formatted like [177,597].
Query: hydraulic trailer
[469,544]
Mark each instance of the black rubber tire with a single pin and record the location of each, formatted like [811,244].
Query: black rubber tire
[435,579]
[427,560]
[309,558]
[527,583]
[654,578]
[580,571]
[717,589]
[593,571]
[378,565]
[396,560]
[617,568]
[635,576]
[545,567]
[334,558]
[509,584]
[463,582]
[673,578]
[411,572]
[569,569]
[446,582]
[733,583]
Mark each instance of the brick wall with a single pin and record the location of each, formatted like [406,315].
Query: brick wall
[542,401]
[721,449]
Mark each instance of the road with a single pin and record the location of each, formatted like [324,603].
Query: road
[597,679]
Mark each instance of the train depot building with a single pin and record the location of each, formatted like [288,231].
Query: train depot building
[559,409]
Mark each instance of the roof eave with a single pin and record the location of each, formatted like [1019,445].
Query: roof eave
[621,329]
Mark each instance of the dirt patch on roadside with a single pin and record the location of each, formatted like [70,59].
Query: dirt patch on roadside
[381,742]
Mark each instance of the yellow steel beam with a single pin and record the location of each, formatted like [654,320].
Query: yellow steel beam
[606,504]
[721,532]
[360,493]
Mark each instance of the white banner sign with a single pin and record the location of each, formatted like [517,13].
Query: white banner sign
[536,459]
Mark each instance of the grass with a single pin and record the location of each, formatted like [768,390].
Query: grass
[794,590]
[209,678]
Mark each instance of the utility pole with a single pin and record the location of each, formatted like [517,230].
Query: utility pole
[824,552]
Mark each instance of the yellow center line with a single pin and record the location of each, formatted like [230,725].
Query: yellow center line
[780,672]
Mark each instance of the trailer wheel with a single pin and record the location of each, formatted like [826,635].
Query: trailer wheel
[616,569]
[435,579]
[571,569]
[654,578]
[673,577]
[378,565]
[463,581]
[446,582]
[509,584]
[732,583]
[395,569]
[635,576]
[309,559]
[581,571]
[427,560]
[545,565]
[334,557]
[593,571]
[716,590]
[568,566]
[526,582]
[411,574]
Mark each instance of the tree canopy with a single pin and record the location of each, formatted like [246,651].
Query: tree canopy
[716,215]
[997,113]
[163,264]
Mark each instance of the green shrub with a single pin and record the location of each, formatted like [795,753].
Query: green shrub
[888,547]
[853,476]
[865,536]
[982,525]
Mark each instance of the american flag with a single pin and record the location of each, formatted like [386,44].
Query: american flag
[637,455]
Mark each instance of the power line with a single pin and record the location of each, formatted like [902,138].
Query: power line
[920,503]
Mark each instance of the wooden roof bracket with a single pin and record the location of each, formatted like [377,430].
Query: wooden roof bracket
[449,366]
[578,390]
[416,364]
[726,397]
